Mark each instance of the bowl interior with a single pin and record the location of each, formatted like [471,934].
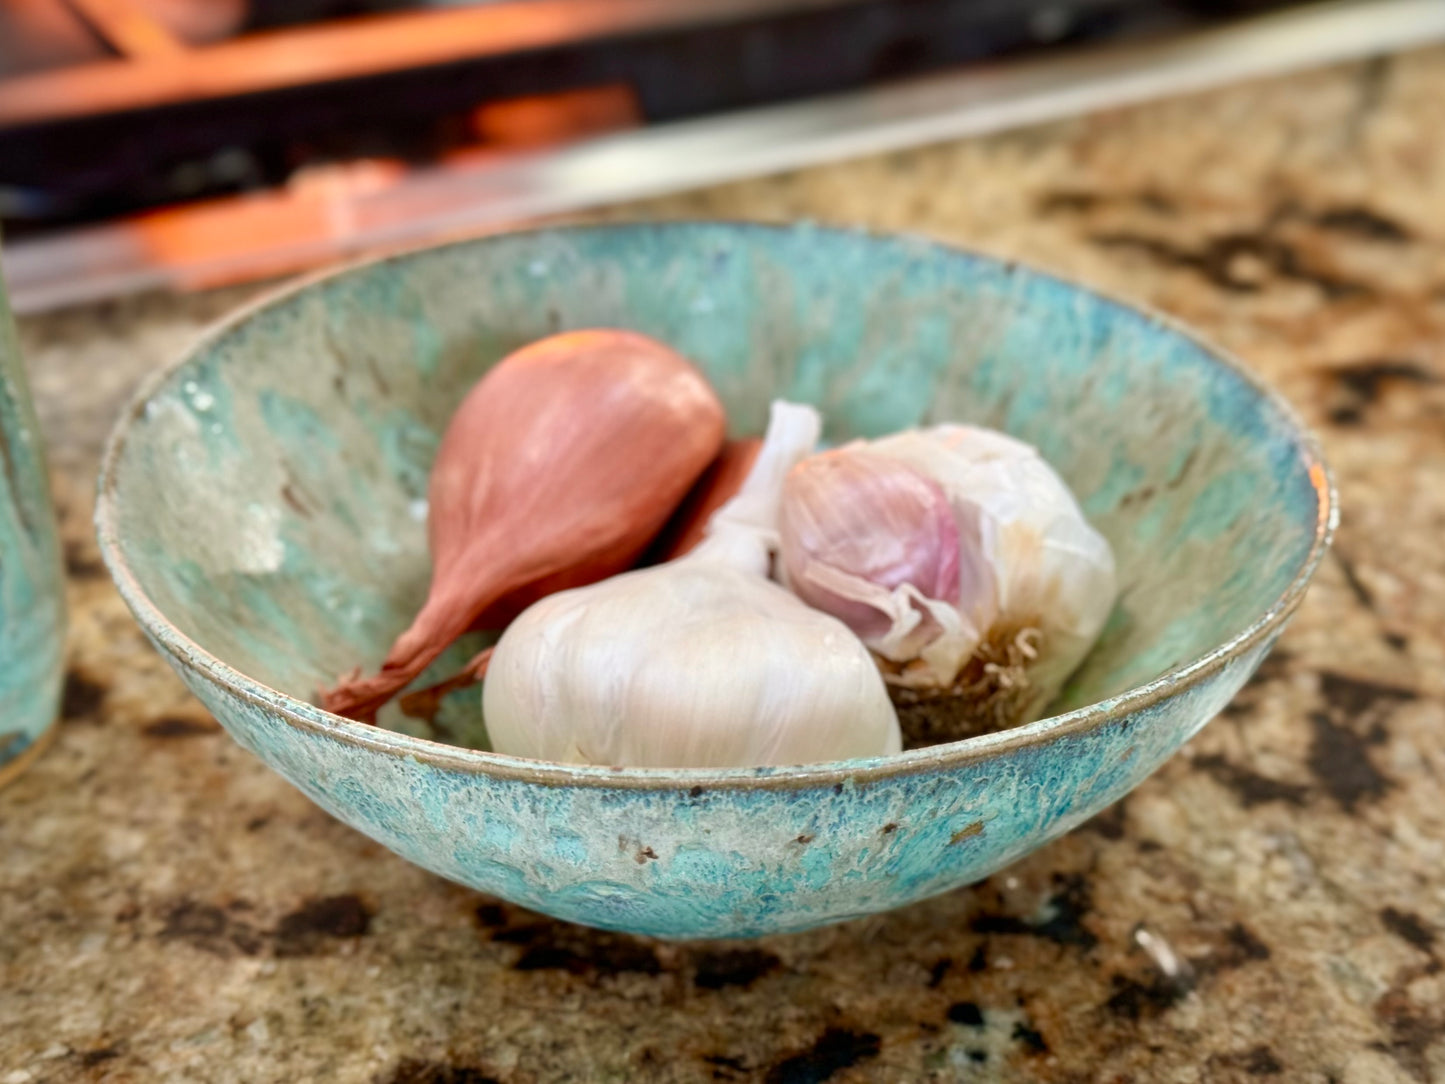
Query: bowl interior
[269,495]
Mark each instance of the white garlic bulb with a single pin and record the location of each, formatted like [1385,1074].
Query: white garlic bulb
[940,544]
[701,662]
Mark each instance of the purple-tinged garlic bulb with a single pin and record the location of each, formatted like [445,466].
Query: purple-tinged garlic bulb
[962,561]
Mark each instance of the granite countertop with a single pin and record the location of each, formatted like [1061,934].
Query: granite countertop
[1271,905]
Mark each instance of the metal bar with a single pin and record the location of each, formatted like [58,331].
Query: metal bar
[353,48]
[180,249]
[129,30]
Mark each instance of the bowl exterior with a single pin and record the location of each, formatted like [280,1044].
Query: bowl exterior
[725,861]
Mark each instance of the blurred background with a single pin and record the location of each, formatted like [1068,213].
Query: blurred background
[189,143]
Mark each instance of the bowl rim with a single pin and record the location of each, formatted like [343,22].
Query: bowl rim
[304,715]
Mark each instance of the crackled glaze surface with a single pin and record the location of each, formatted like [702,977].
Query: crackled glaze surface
[264,500]
[32,611]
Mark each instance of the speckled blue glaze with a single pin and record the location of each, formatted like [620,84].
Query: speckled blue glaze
[260,512]
[32,603]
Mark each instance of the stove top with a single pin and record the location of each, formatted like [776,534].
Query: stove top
[202,99]
[191,142]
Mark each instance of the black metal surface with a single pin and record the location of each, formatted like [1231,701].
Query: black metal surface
[90,168]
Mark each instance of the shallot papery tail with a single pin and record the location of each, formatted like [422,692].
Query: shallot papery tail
[425,703]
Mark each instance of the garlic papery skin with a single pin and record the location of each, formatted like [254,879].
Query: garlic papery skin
[1035,582]
[702,662]
[874,542]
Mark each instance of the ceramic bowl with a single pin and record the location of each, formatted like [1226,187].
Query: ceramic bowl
[262,511]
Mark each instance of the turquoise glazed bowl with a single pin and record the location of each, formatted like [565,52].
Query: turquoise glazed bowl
[261,510]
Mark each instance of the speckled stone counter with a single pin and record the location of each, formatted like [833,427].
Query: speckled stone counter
[1271,905]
